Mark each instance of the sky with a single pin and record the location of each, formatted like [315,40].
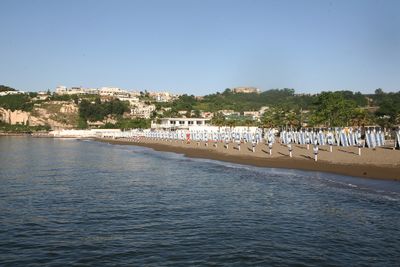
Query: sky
[200,47]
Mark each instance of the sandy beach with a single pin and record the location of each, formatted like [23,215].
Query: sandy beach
[382,163]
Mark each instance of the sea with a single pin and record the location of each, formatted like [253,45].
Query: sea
[66,202]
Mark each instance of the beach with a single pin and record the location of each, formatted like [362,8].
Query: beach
[381,163]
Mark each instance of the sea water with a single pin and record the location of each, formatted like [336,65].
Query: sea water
[72,202]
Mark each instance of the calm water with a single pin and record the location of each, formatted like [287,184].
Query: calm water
[69,202]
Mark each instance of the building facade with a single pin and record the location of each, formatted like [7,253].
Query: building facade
[246,90]
[179,123]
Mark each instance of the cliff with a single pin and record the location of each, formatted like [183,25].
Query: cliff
[56,114]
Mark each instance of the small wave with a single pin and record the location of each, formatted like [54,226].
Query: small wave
[394,198]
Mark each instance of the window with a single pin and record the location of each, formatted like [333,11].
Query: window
[181,122]
[198,122]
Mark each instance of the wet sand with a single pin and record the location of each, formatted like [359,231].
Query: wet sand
[382,163]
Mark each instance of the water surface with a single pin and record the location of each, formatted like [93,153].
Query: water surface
[70,202]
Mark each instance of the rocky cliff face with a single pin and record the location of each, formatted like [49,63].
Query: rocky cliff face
[56,114]
[14,117]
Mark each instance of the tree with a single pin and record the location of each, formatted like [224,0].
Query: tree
[389,108]
[379,91]
[267,119]
[218,119]
[97,111]
[332,110]
[82,124]
[4,88]
[361,117]
[197,113]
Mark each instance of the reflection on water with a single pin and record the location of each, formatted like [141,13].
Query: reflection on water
[69,202]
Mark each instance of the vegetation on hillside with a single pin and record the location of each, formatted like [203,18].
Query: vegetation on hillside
[97,111]
[16,102]
[389,107]
[4,88]
[283,107]
[18,128]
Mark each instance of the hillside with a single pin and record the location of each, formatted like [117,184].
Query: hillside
[272,108]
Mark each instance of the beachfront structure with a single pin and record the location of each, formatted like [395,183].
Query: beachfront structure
[85,133]
[246,90]
[179,123]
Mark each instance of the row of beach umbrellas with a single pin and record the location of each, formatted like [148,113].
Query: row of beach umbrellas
[336,137]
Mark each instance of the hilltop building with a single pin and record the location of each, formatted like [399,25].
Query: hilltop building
[42,95]
[63,90]
[162,96]
[11,93]
[246,90]
[113,91]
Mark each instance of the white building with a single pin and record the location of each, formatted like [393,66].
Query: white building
[263,109]
[85,133]
[162,96]
[63,90]
[11,93]
[142,110]
[179,123]
[133,100]
[113,91]
[255,115]
[42,95]
[91,91]
[227,112]
[205,114]
[134,94]
[182,112]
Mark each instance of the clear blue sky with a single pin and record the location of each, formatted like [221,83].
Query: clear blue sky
[200,47]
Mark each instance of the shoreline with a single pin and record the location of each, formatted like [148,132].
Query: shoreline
[280,160]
